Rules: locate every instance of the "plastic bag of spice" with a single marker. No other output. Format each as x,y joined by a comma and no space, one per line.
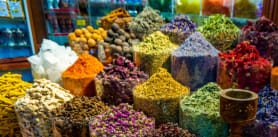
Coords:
220,31
200,114
266,123
72,118
34,110
154,52
79,78
189,59
179,29
118,80
264,35
159,97
243,68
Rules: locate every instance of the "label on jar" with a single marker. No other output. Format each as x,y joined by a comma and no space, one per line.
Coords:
81,22
16,9
4,12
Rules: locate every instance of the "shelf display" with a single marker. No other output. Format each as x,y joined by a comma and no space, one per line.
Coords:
34,109
72,118
147,22
189,59
79,78
264,35
4,13
118,80
199,112
192,7
51,61
11,88
243,68
245,9
179,29
154,52
220,31
119,16
266,122
159,97
121,120
211,7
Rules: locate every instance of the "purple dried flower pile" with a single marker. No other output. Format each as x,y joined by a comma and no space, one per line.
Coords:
170,130
119,79
179,29
120,121
264,35
266,123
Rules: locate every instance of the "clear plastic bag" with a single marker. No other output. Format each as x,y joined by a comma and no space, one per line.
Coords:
194,71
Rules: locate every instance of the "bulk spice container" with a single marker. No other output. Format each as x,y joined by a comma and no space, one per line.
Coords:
169,130
243,68
199,113
219,31
146,22
154,52
34,109
121,121
72,118
118,80
274,78
264,35
159,97
79,77
194,63
119,16
266,123
11,88
180,28
120,41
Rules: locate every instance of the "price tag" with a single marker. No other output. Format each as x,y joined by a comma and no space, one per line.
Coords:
16,9
4,12
81,22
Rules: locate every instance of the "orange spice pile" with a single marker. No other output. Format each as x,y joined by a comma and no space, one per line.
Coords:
85,66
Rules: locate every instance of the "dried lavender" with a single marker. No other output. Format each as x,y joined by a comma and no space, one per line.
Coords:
220,31
121,121
170,130
199,113
266,123
119,79
264,35
180,28
147,22
72,117
189,59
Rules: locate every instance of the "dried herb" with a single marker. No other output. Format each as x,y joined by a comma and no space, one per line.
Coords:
159,97
264,35
119,79
34,109
180,28
11,88
147,22
121,121
170,130
243,68
189,59
199,113
154,52
72,118
266,123
220,31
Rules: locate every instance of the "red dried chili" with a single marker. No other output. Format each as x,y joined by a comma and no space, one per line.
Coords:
243,68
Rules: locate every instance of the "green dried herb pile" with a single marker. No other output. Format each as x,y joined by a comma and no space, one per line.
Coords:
154,52
199,113
72,118
147,22
159,97
220,31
